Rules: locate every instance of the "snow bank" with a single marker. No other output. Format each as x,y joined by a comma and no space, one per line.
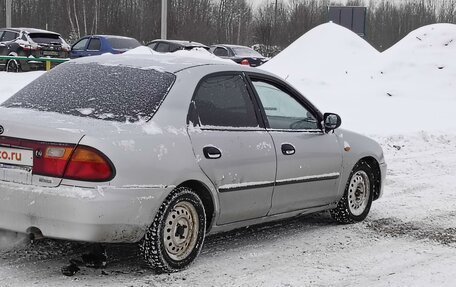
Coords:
408,88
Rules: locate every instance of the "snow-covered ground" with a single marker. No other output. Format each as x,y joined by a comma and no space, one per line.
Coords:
404,98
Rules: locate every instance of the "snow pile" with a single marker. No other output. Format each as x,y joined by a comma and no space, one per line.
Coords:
407,88
317,53
141,50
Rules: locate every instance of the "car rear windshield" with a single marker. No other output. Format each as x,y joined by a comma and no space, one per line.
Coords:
246,52
112,93
45,38
123,43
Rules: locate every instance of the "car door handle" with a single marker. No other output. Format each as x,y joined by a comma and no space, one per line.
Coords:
288,149
211,152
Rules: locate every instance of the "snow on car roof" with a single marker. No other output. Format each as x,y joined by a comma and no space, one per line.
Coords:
168,62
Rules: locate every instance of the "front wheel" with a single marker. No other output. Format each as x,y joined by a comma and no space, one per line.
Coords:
357,199
176,236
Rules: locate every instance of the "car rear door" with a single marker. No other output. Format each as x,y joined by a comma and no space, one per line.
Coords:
94,47
232,146
308,159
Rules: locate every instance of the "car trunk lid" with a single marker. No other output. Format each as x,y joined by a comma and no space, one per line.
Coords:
36,147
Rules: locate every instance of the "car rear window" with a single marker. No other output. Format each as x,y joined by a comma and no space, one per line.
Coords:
45,38
123,43
246,52
112,93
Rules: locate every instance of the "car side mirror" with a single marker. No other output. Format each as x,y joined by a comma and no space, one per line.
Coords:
331,121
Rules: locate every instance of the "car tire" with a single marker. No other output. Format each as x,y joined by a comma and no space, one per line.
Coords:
356,202
12,66
176,236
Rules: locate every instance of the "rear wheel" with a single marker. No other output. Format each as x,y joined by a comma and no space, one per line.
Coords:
357,200
12,66
176,236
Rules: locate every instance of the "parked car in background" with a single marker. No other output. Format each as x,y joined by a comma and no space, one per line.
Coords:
169,46
93,45
163,150
30,42
240,54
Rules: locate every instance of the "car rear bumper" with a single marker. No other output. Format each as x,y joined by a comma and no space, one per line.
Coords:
106,214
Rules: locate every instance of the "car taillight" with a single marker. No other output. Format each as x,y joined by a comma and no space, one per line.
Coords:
51,160
29,47
89,164
245,62
66,161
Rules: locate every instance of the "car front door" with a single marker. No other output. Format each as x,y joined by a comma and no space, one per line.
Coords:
79,48
232,146
309,160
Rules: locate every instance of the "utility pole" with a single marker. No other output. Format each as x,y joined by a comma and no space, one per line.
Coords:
164,19
275,14
8,13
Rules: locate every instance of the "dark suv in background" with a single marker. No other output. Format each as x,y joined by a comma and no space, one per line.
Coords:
29,42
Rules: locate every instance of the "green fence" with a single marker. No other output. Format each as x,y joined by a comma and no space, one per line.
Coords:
47,61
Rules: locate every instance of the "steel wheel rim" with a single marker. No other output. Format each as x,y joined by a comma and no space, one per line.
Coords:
358,193
181,231
12,66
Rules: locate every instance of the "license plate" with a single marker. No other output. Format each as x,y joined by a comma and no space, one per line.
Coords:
15,156
50,53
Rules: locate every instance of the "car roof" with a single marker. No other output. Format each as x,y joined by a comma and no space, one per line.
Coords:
30,30
180,42
110,36
230,46
166,62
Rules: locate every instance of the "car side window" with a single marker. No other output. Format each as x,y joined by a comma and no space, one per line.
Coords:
224,101
162,47
282,110
80,46
152,45
94,45
221,52
9,36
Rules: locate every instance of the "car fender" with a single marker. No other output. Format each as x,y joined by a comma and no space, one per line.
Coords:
355,147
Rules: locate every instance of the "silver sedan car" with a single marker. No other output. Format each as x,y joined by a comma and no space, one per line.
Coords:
164,150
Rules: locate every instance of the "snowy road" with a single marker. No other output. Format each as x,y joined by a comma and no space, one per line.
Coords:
409,239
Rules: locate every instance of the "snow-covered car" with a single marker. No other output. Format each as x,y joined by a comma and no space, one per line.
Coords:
164,150
170,46
240,54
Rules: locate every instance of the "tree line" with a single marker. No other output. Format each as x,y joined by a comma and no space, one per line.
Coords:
274,24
